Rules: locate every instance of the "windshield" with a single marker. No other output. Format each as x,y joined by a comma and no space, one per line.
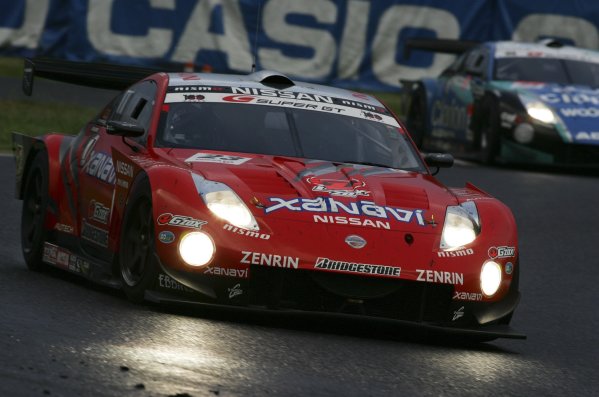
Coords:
275,130
548,70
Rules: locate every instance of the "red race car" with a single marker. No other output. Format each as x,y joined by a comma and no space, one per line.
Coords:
262,192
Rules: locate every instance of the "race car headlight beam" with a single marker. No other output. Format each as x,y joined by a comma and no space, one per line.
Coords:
461,226
225,203
490,278
541,112
196,249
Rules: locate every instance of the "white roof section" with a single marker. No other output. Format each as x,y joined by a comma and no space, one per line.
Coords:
511,49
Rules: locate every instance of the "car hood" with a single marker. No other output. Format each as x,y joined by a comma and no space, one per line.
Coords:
577,107
315,191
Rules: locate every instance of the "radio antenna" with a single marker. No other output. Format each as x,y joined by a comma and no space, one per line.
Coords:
255,54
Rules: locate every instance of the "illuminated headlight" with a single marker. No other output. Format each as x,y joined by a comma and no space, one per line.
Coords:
540,111
225,203
461,226
490,278
196,248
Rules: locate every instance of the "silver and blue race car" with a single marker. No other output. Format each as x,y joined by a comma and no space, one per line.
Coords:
508,102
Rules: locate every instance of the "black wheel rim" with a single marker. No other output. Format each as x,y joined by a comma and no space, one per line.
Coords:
33,213
137,244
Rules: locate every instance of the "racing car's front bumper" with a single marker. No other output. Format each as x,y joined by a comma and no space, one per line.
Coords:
414,303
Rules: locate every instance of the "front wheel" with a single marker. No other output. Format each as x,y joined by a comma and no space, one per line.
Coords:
489,134
137,262
33,215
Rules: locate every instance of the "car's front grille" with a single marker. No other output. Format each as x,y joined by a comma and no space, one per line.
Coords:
339,293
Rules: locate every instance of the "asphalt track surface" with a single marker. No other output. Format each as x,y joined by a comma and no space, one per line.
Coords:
62,336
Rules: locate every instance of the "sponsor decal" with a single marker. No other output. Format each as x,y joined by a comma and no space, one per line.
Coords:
289,99
216,158
245,232
282,94
338,187
98,212
372,116
61,227
582,98
167,282
455,254
435,276
587,136
449,116
227,272
235,291
355,241
180,221
194,97
330,205
509,268
122,183
62,258
78,265
501,252
344,220
467,296
125,169
99,165
194,88
166,237
579,112
458,313
87,149
94,234
258,258
360,268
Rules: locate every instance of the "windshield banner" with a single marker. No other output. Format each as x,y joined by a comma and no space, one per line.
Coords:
347,43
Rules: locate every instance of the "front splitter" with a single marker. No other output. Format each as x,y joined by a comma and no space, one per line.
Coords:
482,333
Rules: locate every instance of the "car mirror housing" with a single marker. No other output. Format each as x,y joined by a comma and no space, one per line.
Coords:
438,160
124,129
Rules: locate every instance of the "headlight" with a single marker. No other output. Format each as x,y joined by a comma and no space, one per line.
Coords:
490,278
461,226
225,203
540,111
196,248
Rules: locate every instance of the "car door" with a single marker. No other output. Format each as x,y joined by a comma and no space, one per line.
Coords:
451,113
97,174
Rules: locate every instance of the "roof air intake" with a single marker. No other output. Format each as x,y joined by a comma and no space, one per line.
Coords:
268,77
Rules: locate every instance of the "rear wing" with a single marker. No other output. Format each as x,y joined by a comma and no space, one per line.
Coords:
446,46
98,75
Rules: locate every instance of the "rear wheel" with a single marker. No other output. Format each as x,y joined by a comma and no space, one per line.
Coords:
137,262
33,215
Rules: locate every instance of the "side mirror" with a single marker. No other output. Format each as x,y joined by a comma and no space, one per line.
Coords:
438,160
124,129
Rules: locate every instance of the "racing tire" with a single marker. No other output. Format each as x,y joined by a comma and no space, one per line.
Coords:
138,269
416,118
33,214
488,134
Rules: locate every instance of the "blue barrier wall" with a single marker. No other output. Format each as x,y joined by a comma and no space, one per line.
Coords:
351,43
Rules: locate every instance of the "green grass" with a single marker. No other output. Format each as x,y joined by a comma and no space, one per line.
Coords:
391,99
35,118
11,67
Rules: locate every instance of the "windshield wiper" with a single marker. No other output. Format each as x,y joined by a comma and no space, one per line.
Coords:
364,163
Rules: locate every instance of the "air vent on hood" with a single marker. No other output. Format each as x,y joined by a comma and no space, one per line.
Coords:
405,196
265,181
